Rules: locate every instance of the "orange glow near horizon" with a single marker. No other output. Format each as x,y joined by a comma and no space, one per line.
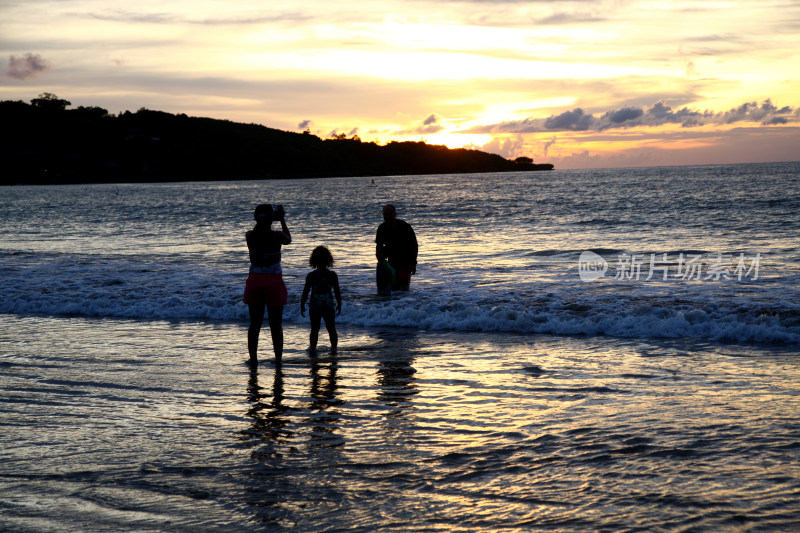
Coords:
544,80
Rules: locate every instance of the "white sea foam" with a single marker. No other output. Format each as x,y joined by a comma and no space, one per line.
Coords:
567,306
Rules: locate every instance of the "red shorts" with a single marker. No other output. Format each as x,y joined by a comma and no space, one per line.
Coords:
403,277
265,289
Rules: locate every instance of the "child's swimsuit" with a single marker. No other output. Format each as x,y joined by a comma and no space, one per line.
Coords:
322,298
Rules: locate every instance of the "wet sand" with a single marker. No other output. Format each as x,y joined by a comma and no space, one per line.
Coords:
130,425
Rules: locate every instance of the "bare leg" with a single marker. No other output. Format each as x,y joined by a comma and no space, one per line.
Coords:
256,319
275,318
330,325
316,319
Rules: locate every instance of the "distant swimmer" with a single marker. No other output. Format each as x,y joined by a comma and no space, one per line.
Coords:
265,286
326,298
396,250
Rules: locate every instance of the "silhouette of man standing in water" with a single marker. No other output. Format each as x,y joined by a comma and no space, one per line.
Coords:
396,251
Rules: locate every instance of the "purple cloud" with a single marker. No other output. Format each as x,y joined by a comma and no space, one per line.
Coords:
428,126
575,120
27,66
659,114
623,115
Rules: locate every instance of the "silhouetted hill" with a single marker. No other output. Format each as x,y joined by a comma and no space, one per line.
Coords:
44,142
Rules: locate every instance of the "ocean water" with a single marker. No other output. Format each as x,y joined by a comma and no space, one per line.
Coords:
498,252
598,350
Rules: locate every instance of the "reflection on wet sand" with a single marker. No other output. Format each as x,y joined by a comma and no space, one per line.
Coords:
323,415
396,385
269,416
294,443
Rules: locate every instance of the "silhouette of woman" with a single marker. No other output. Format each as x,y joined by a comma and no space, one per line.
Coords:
265,287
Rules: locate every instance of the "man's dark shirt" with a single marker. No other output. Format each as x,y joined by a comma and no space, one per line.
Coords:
398,243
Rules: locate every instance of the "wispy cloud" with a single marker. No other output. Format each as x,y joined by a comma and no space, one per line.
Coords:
178,18
563,18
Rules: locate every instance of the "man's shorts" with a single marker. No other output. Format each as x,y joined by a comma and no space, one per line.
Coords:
403,278
265,289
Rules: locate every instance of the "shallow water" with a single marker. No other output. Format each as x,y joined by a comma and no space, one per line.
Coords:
128,425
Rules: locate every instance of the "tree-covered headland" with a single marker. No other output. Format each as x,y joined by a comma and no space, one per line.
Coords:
45,142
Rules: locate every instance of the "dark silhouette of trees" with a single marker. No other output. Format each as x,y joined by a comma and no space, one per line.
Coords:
50,102
46,143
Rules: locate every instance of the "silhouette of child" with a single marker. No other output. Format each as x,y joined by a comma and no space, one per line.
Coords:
323,284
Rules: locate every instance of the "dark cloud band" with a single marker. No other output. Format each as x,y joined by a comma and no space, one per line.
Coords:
658,115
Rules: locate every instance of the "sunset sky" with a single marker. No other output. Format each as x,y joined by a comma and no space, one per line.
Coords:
579,84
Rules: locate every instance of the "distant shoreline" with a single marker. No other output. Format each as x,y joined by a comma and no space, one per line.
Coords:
45,143
5,182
